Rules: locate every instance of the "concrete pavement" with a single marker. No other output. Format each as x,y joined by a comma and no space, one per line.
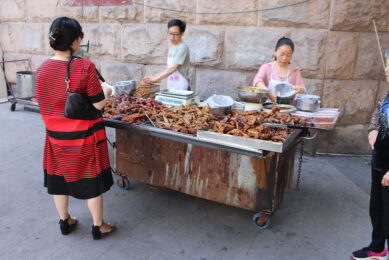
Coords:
326,219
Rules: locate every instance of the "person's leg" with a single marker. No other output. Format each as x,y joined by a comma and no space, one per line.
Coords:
95,206
61,203
385,216
376,247
377,212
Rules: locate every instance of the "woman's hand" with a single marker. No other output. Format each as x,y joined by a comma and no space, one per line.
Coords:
260,84
148,79
385,179
272,97
107,89
372,138
299,89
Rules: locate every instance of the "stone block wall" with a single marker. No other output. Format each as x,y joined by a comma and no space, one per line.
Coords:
335,47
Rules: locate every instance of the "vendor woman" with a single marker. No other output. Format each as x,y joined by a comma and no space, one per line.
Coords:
280,70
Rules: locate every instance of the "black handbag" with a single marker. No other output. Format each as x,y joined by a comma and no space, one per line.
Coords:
78,105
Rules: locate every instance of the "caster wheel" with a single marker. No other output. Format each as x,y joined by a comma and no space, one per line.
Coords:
123,183
13,106
261,218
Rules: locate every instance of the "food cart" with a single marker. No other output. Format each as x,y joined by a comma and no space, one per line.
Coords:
245,170
249,176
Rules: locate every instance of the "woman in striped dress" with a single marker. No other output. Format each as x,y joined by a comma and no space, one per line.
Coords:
76,161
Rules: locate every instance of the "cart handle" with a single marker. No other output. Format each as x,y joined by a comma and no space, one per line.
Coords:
309,137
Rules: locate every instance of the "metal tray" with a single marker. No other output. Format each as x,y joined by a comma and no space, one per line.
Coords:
181,93
181,137
175,96
121,124
242,142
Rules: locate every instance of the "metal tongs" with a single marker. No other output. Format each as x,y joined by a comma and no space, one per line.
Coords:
275,125
283,125
151,121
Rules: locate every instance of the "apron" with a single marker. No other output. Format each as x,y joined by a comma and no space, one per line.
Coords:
176,80
272,82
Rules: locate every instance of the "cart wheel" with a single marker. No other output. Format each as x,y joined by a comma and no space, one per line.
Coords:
123,183
261,221
13,106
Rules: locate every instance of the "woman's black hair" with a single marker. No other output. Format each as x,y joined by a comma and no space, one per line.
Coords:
63,32
176,22
285,41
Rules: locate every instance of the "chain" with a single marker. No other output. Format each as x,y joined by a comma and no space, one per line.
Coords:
300,165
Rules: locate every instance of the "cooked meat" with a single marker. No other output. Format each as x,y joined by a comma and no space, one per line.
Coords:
130,109
250,124
184,119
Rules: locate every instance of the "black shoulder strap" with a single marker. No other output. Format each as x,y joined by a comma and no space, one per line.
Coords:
67,80
99,75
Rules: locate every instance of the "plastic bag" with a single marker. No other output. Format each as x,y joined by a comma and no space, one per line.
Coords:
124,87
106,86
215,101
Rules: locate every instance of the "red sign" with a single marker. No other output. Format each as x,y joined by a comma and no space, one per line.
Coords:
100,2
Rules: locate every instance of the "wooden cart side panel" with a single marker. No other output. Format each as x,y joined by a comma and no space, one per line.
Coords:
265,180
211,174
283,174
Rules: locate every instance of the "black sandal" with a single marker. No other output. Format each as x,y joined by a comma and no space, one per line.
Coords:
65,227
96,232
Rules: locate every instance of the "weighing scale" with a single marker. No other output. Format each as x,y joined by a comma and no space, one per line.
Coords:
172,97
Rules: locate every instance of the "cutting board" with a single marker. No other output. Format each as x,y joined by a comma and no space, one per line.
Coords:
3,84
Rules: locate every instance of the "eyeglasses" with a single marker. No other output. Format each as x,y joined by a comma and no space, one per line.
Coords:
173,34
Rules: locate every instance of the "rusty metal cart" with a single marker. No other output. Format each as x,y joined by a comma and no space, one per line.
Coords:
239,175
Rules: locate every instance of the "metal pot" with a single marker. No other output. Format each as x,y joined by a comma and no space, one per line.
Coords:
25,84
284,93
251,94
309,103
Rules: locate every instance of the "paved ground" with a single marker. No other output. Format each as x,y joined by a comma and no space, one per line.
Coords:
326,219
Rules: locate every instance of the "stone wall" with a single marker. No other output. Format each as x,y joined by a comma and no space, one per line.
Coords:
336,47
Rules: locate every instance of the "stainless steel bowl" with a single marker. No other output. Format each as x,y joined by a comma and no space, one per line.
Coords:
253,95
309,103
221,111
220,105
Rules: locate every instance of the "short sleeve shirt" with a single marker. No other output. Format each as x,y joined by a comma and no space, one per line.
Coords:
180,55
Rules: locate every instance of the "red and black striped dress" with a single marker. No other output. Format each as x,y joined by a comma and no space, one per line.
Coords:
76,158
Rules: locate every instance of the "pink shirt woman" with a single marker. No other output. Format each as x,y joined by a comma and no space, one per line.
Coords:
268,71
280,70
